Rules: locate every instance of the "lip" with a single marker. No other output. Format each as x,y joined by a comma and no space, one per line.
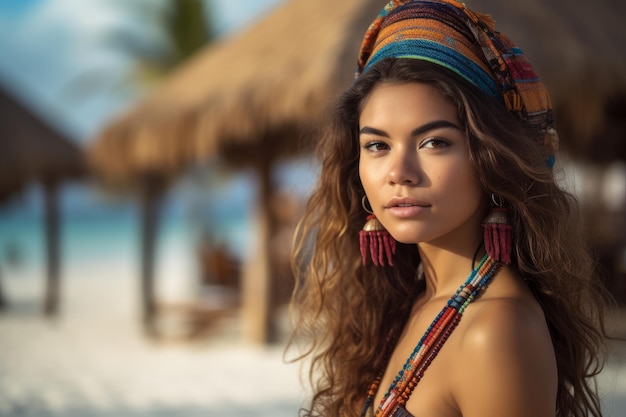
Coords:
406,207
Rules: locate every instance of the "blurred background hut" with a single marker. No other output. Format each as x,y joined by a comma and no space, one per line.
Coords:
252,99
32,151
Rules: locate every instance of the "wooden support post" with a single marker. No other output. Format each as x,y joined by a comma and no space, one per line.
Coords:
151,194
257,269
53,249
3,300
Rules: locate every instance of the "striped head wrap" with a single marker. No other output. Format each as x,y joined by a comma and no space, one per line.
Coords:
447,33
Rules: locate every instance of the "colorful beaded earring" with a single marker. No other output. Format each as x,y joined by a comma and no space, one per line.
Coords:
376,240
498,231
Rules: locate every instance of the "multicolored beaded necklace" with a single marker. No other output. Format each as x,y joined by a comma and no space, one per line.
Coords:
431,342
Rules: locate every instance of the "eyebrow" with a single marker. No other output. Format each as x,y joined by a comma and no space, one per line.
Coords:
438,124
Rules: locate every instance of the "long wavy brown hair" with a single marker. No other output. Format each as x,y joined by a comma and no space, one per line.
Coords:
350,316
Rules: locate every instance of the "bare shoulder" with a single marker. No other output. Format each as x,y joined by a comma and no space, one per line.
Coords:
509,367
509,323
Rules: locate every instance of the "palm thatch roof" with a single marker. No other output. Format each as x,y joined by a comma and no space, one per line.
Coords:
576,47
249,96
31,149
246,97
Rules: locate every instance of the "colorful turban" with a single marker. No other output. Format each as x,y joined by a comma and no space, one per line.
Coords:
447,33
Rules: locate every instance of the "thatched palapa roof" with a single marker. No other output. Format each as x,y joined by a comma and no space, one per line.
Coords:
246,96
32,150
249,96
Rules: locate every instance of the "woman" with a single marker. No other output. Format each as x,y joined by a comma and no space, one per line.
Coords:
444,147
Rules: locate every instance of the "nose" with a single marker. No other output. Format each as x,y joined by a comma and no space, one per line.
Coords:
404,168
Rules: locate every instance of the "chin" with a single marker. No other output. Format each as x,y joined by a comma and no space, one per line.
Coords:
414,235
407,238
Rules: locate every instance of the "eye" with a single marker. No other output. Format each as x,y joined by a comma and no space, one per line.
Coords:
435,143
375,146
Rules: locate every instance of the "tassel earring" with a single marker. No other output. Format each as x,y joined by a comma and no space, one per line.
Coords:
498,231
373,238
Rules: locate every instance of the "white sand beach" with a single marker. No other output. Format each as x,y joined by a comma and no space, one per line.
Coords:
94,362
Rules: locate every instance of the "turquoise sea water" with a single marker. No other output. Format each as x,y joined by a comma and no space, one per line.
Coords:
101,233
100,230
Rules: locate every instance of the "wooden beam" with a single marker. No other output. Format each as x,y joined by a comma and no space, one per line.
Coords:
53,249
258,269
151,198
3,299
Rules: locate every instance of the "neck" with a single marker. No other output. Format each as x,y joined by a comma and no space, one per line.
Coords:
447,260
445,269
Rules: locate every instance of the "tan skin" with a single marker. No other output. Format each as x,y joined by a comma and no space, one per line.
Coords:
415,168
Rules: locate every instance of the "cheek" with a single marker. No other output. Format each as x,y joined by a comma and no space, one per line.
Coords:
460,185
362,176
365,175
471,192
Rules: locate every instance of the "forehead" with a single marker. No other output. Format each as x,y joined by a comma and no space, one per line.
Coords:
421,102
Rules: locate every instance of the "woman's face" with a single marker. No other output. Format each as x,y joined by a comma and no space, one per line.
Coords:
415,168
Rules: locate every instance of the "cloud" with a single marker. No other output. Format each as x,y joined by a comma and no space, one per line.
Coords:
68,58
60,44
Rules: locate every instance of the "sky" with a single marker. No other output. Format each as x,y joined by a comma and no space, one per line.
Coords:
58,57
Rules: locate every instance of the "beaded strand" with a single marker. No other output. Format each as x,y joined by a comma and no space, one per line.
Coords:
431,342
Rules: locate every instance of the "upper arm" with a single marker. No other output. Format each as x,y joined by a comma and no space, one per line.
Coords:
509,368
